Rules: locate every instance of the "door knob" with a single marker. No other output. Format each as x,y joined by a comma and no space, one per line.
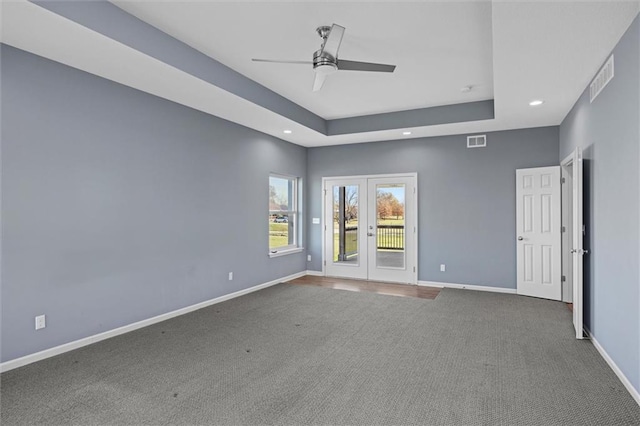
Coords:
370,234
520,238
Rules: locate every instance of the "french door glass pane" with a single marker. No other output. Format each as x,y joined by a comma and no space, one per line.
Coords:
390,226
345,224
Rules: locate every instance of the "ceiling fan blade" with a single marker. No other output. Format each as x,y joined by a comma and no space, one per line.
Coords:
318,81
334,39
364,66
274,61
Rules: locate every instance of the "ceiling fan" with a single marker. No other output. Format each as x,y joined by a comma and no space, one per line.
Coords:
325,61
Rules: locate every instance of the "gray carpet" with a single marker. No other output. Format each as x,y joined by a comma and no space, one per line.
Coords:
307,355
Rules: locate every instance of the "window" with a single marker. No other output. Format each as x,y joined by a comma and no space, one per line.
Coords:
283,214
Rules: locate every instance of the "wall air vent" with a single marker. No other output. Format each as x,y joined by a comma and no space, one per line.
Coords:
477,141
604,76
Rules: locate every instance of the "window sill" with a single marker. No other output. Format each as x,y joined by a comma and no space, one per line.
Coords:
285,252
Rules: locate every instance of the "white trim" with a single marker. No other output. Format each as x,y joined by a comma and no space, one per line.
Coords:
390,175
294,214
315,273
416,233
323,226
284,252
468,287
57,350
568,160
575,222
627,384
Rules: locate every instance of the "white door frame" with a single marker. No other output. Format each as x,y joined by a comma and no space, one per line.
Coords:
566,172
412,260
575,251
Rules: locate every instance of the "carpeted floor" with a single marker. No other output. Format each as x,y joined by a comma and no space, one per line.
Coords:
306,355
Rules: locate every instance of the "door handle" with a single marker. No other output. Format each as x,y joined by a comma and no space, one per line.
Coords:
581,251
370,234
520,238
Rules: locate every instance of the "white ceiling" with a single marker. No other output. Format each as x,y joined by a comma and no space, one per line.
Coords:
512,51
438,48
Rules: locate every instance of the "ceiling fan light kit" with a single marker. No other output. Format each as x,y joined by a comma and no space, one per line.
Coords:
325,60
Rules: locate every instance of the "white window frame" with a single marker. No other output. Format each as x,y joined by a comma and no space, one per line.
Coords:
293,216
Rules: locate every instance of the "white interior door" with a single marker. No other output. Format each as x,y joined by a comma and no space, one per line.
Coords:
538,226
370,228
578,249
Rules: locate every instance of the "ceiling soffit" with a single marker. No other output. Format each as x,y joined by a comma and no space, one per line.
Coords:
113,22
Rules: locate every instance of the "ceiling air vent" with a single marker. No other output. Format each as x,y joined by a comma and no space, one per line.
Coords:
477,141
604,76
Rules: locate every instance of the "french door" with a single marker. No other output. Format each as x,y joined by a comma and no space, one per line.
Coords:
370,228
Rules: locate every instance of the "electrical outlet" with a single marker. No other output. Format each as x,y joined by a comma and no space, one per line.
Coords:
41,322
308,258
230,276
442,267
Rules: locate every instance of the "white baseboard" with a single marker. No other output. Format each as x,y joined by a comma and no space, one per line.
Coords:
627,384
315,273
468,287
57,350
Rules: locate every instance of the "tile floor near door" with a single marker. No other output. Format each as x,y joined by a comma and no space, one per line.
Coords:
384,259
401,290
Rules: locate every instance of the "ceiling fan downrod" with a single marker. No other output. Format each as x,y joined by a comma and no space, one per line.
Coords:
323,62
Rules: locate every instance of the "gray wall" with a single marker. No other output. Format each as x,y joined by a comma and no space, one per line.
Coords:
456,113
609,132
466,197
118,206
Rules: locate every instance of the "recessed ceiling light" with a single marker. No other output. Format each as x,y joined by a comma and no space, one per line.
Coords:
287,132
536,102
406,133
